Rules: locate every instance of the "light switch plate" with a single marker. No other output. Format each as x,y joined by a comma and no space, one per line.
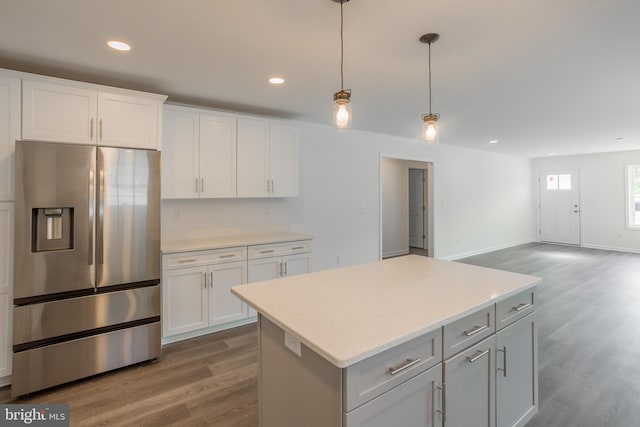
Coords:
292,343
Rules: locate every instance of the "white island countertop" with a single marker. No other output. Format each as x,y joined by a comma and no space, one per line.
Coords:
349,314
218,242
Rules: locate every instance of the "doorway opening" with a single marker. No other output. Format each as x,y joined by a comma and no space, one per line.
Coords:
406,211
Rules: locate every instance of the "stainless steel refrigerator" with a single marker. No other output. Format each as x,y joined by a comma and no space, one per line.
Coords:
87,262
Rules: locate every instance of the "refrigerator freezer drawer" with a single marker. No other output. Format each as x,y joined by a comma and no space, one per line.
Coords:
43,321
48,366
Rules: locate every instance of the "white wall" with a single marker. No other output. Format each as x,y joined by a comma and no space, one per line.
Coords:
395,207
482,201
602,196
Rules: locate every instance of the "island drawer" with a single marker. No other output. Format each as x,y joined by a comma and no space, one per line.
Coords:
467,331
372,377
198,258
279,249
515,308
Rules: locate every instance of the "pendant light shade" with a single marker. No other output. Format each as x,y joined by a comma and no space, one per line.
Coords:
342,99
430,132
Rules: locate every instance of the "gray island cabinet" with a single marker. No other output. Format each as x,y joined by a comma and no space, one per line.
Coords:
408,341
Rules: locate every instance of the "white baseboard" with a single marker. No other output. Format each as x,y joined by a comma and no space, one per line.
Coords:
485,250
395,253
5,381
205,331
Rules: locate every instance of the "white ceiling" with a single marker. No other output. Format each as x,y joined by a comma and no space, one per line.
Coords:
540,76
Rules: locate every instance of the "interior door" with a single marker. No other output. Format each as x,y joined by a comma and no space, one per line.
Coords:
416,208
560,207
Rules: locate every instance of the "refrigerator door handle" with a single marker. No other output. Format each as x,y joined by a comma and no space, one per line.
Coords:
100,222
91,214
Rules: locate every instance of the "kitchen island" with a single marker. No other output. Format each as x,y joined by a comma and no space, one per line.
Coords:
375,344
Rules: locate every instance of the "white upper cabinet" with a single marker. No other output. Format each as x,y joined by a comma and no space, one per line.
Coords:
9,132
199,154
62,111
267,159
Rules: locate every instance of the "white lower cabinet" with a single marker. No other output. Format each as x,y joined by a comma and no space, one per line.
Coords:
469,379
415,403
517,372
196,290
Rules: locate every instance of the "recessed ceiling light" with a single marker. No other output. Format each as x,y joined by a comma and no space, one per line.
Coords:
276,80
118,45
551,154
493,141
620,138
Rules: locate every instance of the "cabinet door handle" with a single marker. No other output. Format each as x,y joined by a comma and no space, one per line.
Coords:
297,248
182,261
522,307
196,185
100,129
478,355
268,186
280,269
433,405
409,363
273,186
227,256
285,268
504,361
91,131
267,251
202,185
211,281
204,279
475,330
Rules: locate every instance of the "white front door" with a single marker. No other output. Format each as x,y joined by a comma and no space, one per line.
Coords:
416,208
560,207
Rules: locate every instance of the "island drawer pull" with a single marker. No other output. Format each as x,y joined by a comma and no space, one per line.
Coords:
407,365
227,256
478,355
182,261
297,248
475,330
522,307
504,361
267,251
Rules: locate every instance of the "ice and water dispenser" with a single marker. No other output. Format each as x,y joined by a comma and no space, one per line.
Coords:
52,229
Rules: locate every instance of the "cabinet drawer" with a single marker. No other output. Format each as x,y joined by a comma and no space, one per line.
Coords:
467,331
279,249
514,308
191,259
373,376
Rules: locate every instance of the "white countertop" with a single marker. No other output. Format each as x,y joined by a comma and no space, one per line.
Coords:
174,246
349,314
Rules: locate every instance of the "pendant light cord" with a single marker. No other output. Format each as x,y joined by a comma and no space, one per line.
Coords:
341,46
429,61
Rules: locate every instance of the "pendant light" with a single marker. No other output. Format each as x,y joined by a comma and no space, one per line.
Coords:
342,99
430,121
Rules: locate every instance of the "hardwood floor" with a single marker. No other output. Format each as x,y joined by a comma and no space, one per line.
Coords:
589,355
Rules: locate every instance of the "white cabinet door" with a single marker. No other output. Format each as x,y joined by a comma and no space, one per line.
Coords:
6,288
517,373
414,403
185,300
225,307
253,158
217,156
264,269
180,154
470,386
9,132
283,165
127,121
58,113
296,264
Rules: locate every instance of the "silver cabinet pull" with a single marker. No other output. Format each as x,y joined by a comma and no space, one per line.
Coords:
211,281
442,411
409,363
522,307
267,251
202,185
204,279
268,185
196,185
91,131
273,186
280,269
285,268
100,129
504,361
181,261
475,330
297,248
478,355
227,256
